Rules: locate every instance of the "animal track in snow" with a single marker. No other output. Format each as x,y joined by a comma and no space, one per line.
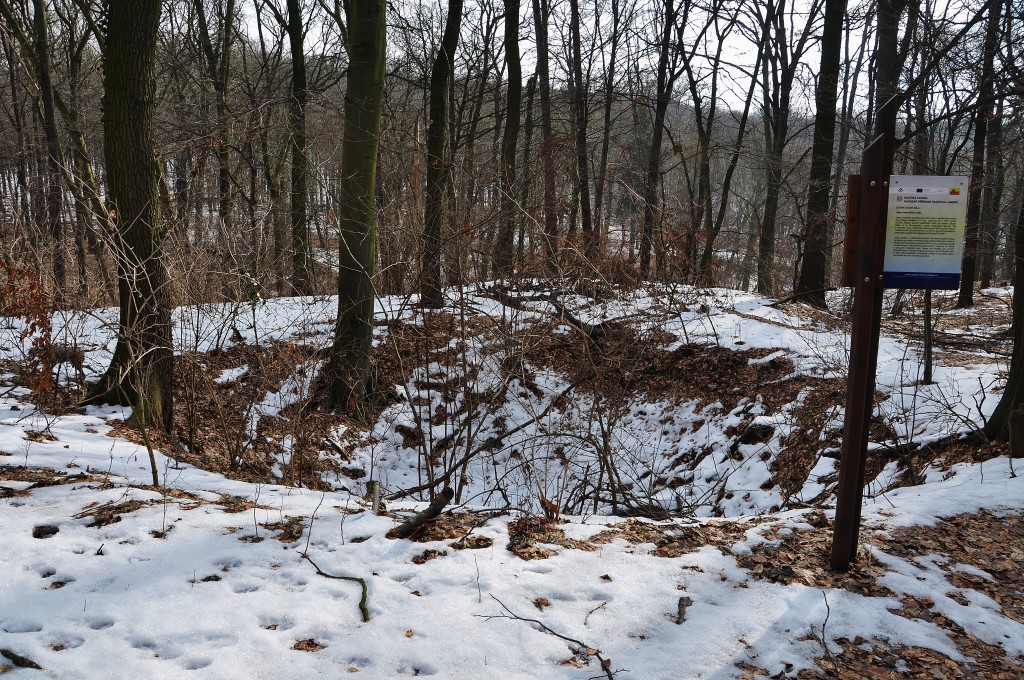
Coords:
195,663
250,587
100,622
9,626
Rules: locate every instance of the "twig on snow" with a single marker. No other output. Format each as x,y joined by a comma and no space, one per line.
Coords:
362,582
583,648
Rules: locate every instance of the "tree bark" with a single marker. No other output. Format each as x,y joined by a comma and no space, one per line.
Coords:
141,372
810,285
998,425
503,250
218,65
652,181
981,117
609,96
301,270
348,370
578,94
437,169
541,13
53,181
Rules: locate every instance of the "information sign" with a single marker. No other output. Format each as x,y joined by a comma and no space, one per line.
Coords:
924,235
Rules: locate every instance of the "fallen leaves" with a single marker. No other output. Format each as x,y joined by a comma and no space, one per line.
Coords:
525,533
307,645
428,555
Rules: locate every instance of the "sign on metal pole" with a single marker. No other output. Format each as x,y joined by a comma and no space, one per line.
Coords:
924,239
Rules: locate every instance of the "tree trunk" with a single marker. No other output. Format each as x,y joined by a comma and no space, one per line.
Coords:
141,372
600,229
526,180
348,370
704,273
652,181
981,118
541,13
997,426
218,64
578,94
503,247
810,285
301,270
438,175
991,205
53,180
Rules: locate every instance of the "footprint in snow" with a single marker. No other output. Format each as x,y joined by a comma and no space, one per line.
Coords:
195,663
245,588
10,626
100,622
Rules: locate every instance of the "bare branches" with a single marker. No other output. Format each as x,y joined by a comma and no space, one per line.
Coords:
582,648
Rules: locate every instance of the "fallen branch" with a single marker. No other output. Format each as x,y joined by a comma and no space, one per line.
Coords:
362,582
582,647
592,331
413,524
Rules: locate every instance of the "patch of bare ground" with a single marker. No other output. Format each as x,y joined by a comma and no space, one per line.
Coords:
977,552
800,451
527,534
622,362
455,525
977,335
39,477
215,412
673,540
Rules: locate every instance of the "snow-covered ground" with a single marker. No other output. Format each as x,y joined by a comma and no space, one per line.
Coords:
188,580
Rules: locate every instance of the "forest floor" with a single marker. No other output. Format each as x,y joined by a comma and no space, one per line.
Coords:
644,488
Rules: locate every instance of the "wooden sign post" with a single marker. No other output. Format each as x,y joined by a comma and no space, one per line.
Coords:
876,168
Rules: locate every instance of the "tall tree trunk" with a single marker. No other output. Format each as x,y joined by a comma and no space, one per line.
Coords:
810,285
526,180
652,181
438,174
348,370
141,372
997,426
541,14
704,273
503,247
301,265
218,65
609,97
981,118
777,129
991,204
578,94
53,179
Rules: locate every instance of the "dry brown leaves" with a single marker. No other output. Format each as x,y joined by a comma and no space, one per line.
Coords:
40,477
801,555
289,530
673,540
459,525
526,533
307,645
985,541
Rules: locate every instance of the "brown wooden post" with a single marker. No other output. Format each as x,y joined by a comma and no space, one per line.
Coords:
876,167
851,244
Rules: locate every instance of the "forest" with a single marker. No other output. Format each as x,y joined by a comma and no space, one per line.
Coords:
491,306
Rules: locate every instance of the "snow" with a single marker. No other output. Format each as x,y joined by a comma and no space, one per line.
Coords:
180,587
